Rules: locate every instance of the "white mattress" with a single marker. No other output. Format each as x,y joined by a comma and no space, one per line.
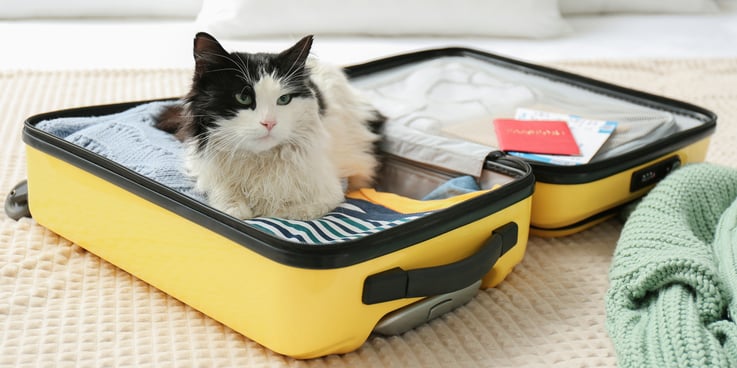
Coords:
94,44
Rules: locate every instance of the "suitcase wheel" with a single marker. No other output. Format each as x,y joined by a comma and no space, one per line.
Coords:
16,204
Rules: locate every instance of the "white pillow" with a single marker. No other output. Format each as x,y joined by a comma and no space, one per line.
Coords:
96,8
568,7
503,18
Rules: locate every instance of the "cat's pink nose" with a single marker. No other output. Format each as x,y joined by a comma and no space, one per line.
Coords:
268,124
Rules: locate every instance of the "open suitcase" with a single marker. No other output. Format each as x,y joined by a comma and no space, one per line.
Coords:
312,298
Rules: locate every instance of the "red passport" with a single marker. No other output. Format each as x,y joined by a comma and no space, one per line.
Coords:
551,137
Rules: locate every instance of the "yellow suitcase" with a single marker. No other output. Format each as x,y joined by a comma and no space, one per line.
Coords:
312,299
303,299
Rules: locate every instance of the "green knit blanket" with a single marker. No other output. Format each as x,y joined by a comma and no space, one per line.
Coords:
673,281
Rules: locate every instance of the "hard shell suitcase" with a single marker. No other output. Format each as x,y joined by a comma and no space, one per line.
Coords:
303,299
308,300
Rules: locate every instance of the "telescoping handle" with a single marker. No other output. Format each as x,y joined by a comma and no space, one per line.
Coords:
397,283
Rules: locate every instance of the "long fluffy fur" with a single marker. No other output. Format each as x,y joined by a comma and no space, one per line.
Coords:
321,137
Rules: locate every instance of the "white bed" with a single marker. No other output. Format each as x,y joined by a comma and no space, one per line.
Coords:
60,305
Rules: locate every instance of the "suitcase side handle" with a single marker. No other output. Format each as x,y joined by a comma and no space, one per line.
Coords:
397,283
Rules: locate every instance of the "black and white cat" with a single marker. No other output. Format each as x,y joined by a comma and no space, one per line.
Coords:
273,134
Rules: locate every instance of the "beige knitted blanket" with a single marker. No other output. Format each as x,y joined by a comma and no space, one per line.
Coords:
62,306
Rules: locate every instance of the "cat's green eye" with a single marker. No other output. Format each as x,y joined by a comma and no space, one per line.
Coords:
284,99
244,98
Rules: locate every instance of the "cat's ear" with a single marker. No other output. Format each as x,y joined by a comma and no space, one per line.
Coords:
297,54
206,50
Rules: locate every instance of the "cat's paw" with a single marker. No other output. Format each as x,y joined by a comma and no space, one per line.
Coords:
238,210
305,213
310,211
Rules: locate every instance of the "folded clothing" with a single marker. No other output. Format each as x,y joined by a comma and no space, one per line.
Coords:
353,219
673,279
408,205
130,139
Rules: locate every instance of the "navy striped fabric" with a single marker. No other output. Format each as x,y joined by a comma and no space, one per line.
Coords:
353,219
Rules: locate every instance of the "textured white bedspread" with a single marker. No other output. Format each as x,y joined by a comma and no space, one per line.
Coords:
63,306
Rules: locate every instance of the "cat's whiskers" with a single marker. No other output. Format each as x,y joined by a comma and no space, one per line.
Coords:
241,67
296,64
244,66
223,151
225,143
238,73
293,75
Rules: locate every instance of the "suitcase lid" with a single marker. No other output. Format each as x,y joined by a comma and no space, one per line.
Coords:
395,81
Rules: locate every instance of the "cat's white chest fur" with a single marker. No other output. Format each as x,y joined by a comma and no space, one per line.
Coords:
289,182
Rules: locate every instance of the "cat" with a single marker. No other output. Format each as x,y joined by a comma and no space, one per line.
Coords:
273,134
